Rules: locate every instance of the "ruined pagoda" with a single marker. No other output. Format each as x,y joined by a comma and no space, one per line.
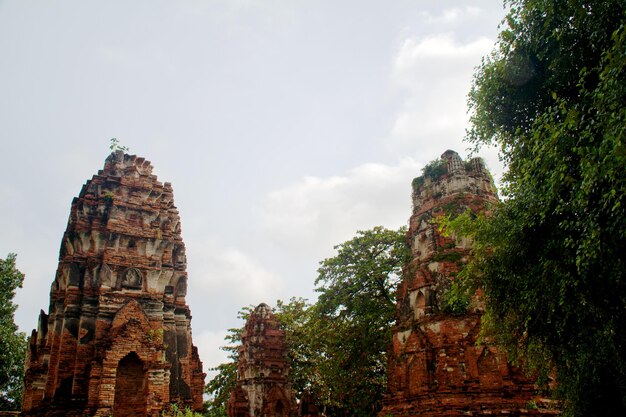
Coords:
263,388
117,336
436,368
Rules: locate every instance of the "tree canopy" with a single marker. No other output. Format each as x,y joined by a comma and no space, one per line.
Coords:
221,385
355,312
12,342
552,258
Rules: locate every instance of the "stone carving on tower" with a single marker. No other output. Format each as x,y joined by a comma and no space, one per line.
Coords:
117,336
263,388
435,366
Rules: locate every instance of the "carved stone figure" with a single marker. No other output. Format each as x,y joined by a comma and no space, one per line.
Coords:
132,279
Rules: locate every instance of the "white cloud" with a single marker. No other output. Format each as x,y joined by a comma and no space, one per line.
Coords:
452,15
211,355
443,46
219,269
222,279
313,214
434,73
294,228
422,61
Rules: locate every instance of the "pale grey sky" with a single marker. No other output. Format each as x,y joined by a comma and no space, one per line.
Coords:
284,127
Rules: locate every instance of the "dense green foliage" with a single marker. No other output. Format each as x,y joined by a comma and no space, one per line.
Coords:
337,346
434,169
355,312
219,388
175,411
221,385
296,320
457,299
552,258
12,342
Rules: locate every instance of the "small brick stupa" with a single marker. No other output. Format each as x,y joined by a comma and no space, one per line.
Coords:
117,337
436,368
263,388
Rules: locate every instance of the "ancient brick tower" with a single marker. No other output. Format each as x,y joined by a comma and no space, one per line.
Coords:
117,338
435,366
263,388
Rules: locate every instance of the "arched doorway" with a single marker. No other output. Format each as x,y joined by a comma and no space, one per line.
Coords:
130,387
420,303
278,409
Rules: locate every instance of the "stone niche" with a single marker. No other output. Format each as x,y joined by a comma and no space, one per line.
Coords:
117,336
263,388
435,366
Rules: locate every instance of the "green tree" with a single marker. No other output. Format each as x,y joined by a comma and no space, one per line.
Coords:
174,411
219,388
552,258
12,342
221,385
296,320
353,317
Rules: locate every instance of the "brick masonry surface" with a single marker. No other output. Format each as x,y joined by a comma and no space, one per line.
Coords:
117,336
262,370
436,367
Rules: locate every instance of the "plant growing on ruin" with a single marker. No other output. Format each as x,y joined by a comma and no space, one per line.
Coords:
433,170
175,411
115,145
456,299
108,197
155,335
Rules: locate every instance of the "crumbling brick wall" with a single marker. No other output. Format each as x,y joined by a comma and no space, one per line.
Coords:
436,367
119,293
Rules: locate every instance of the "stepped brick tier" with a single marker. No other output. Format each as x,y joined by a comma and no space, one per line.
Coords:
436,368
263,387
117,338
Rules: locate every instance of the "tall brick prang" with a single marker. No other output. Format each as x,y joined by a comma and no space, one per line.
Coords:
263,387
117,336
436,368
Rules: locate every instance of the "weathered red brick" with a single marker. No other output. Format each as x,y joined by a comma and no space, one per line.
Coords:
117,338
436,368
263,387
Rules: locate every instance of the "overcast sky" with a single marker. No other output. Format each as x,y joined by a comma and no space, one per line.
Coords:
284,127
